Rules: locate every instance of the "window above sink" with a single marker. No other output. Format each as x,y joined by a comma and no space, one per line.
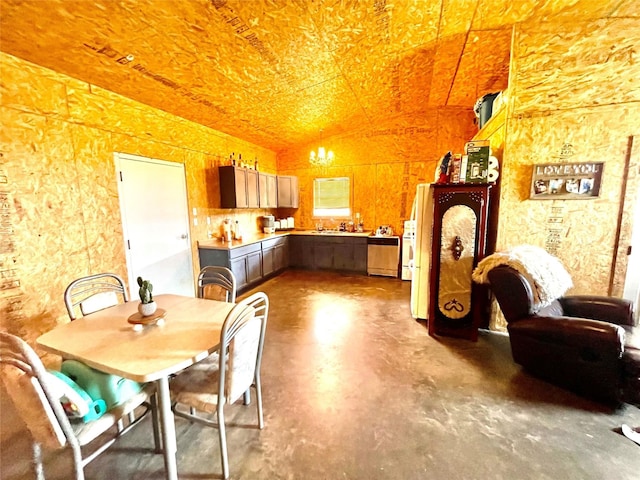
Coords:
332,197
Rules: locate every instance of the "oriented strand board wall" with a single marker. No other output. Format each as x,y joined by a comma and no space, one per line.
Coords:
60,207
385,164
573,88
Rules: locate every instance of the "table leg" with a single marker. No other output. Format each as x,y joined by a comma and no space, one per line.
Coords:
168,429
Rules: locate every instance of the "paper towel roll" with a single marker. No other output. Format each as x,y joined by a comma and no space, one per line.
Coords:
492,174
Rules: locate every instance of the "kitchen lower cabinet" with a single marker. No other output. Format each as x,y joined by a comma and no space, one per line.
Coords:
281,254
250,263
329,252
301,251
275,255
245,262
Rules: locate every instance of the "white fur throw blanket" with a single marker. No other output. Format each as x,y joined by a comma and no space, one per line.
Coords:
544,272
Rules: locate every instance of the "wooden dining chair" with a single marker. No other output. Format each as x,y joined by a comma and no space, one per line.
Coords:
217,283
207,390
89,294
29,387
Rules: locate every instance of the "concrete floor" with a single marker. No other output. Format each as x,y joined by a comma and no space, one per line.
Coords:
354,388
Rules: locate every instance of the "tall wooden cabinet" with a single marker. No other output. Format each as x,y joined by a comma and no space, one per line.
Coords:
460,230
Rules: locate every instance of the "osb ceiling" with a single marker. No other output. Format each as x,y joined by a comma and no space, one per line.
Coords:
278,72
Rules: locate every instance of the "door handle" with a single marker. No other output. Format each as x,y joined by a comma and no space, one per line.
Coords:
183,236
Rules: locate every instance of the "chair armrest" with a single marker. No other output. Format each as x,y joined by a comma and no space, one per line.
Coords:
606,309
579,333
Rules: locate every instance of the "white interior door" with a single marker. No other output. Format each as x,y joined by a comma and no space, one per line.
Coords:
632,281
155,217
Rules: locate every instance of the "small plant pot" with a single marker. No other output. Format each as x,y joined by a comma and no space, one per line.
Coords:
147,309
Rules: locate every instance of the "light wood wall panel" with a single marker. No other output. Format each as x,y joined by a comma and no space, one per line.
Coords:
386,164
58,174
572,86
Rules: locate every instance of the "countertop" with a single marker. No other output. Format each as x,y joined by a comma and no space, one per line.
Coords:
218,244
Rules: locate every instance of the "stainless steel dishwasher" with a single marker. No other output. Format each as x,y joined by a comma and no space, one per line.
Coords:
383,255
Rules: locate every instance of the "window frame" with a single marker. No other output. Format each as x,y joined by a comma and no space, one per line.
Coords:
344,214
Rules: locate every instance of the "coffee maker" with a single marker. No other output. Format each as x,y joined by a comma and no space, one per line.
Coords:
268,224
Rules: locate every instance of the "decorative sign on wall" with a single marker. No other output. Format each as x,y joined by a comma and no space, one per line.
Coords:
566,181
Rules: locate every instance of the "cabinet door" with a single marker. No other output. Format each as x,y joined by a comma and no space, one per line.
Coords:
239,269
301,251
252,188
272,191
323,255
281,256
284,191
295,194
233,187
343,256
287,191
254,267
263,191
268,261
360,255
267,190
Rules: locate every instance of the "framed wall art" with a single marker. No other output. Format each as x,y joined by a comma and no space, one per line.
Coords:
566,181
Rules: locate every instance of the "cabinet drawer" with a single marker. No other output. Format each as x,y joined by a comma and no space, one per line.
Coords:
272,242
245,250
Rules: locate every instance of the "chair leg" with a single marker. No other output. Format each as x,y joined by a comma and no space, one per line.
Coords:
78,462
259,401
247,396
223,442
38,469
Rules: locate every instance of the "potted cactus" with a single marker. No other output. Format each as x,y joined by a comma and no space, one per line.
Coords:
147,306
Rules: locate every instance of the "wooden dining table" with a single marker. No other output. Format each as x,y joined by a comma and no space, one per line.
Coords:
105,340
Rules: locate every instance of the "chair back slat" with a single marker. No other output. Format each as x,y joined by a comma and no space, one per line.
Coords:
217,283
92,293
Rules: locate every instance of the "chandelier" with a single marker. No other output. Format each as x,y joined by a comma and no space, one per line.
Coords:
322,157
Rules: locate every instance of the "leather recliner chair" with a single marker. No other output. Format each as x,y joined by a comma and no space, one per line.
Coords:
587,344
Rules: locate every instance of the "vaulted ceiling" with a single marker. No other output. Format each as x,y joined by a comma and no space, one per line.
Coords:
278,72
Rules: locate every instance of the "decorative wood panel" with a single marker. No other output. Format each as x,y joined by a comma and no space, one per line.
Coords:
64,215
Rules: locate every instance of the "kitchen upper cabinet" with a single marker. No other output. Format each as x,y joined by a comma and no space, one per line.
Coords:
253,198
288,191
267,190
238,187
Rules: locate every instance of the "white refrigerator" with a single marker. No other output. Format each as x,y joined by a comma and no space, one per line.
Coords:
422,214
